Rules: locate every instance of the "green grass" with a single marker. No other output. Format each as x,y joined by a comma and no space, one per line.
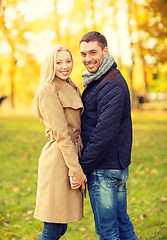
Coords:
21,140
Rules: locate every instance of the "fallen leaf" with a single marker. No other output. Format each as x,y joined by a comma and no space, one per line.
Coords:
146,169
8,233
28,189
5,202
33,140
16,189
159,209
19,137
7,223
144,186
84,235
161,223
142,216
133,199
32,150
25,157
25,180
83,229
147,202
164,199
154,171
11,150
156,157
30,212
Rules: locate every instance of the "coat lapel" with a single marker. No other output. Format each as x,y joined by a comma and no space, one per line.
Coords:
68,95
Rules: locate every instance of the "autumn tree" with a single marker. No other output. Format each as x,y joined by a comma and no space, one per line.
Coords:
14,29
147,27
8,34
30,32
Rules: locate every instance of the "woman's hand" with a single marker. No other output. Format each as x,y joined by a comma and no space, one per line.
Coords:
74,184
77,184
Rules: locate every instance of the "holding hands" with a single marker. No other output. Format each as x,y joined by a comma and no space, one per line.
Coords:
77,184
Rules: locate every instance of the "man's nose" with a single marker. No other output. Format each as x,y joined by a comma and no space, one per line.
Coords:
88,58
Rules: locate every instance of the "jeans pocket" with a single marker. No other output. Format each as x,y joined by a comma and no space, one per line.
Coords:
112,181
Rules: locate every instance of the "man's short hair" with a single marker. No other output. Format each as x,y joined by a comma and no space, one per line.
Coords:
94,37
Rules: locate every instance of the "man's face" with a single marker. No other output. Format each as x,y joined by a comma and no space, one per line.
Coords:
92,55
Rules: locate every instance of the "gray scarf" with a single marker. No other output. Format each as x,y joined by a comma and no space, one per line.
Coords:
104,67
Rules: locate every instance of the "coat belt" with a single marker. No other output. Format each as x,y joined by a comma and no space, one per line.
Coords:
76,139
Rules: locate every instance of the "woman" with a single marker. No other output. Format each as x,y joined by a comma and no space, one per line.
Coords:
58,104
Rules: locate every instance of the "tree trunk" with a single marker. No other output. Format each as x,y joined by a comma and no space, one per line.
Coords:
13,60
93,15
131,8
145,75
57,23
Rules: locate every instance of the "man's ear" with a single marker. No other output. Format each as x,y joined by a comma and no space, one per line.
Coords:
105,51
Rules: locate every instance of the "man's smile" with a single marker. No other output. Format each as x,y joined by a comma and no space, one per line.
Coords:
90,65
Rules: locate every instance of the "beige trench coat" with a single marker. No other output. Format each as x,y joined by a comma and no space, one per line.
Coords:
60,106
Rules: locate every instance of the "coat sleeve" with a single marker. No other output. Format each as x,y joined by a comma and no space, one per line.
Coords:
110,103
53,114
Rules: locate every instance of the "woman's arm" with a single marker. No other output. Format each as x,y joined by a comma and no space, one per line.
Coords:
53,114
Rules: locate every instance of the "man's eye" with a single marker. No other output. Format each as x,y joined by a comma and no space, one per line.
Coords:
93,53
69,61
58,62
83,54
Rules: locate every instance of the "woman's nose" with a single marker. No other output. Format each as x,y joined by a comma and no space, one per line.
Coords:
64,65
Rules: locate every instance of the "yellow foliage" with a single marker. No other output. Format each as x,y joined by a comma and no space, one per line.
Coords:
149,75
30,32
138,75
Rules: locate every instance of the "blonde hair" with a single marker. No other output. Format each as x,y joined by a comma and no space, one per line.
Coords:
47,73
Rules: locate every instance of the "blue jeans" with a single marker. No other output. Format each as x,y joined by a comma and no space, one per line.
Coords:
107,191
53,231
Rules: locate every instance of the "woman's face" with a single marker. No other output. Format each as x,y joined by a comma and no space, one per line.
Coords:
64,64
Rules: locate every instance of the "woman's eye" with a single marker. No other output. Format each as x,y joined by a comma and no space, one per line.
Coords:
58,62
69,61
93,53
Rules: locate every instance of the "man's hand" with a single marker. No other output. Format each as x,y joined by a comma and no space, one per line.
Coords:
82,187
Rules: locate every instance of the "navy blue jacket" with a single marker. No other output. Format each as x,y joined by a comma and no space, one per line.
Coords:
106,123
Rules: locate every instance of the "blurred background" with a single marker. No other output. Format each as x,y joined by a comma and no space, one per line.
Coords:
136,31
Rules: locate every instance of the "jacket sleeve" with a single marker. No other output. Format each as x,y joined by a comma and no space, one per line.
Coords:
110,103
54,117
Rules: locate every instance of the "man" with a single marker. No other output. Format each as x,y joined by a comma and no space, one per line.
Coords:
107,138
